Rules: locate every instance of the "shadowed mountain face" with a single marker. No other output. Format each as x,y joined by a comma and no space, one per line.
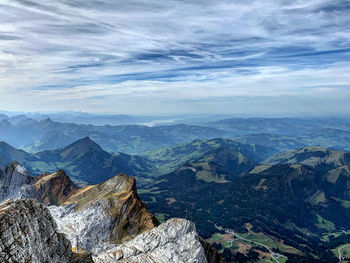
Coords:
296,196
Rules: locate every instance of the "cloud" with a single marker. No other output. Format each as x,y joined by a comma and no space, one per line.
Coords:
92,55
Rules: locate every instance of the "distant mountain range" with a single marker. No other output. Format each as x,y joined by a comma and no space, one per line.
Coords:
282,134
33,135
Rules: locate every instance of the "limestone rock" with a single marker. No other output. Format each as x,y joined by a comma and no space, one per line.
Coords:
108,212
50,189
28,233
12,179
173,241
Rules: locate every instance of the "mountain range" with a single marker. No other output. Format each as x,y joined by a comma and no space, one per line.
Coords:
84,160
299,199
251,196
35,135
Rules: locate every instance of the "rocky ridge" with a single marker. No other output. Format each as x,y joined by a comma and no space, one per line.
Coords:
107,212
98,219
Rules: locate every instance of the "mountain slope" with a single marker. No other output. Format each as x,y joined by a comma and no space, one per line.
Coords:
171,158
297,202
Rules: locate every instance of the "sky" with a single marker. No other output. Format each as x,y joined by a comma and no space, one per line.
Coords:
173,56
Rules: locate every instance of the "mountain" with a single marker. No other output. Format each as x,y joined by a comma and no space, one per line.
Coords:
84,160
9,153
107,221
54,189
299,200
50,189
115,212
170,158
219,166
46,134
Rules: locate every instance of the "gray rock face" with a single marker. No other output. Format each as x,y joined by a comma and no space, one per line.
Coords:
28,234
14,182
173,241
87,228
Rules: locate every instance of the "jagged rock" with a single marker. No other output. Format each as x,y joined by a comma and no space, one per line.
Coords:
54,189
50,189
94,219
108,212
12,179
28,233
173,241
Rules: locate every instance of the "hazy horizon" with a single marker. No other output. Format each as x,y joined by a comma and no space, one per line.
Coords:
176,57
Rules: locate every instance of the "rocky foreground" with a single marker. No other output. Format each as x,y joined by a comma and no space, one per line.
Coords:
100,223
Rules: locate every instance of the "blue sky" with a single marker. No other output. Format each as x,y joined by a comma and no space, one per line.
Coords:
172,56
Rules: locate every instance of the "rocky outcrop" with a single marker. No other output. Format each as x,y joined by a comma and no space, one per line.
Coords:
173,241
50,189
13,181
108,220
108,212
28,233
54,189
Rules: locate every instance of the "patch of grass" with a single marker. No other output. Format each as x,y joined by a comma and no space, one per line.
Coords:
263,239
324,224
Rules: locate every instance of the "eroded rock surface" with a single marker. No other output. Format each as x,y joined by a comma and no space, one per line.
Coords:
108,212
173,241
108,220
28,233
50,189
13,180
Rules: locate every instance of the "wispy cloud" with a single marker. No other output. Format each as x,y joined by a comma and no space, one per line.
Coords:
98,54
